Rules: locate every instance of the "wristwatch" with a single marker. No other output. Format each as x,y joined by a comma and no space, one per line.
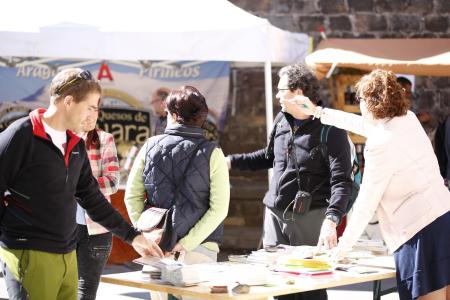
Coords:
333,218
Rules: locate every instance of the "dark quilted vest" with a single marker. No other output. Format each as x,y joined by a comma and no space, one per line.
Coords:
168,167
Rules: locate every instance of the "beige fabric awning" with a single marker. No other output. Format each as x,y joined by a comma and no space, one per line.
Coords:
427,57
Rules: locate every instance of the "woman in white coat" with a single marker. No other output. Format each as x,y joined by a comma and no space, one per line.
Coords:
401,183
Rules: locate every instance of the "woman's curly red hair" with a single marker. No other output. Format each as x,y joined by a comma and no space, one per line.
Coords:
384,96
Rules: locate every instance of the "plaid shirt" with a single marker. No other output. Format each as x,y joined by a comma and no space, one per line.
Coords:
105,167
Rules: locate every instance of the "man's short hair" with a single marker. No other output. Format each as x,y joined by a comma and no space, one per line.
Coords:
75,82
301,77
161,94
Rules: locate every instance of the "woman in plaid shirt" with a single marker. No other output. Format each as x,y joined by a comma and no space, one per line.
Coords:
94,241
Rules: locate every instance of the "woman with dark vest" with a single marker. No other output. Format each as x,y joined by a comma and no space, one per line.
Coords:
182,171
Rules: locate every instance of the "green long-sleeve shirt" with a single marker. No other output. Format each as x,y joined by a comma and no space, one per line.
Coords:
219,199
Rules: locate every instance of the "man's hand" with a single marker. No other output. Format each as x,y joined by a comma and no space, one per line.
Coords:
328,236
146,247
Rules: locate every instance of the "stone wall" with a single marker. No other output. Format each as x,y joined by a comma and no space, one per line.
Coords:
245,126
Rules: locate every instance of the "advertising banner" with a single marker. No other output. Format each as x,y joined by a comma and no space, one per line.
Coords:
127,89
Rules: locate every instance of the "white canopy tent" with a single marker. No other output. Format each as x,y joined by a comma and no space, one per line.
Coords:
207,30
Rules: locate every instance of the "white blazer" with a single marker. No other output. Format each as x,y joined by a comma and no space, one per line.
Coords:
401,180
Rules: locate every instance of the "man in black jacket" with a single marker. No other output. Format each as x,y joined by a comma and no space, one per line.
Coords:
311,181
44,170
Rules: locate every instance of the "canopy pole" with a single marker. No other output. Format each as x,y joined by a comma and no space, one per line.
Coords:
269,104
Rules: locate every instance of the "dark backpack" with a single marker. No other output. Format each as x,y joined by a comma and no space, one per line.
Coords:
356,175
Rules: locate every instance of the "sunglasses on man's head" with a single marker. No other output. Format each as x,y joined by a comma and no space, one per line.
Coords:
85,75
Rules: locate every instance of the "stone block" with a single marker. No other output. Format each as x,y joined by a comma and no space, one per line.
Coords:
421,81
341,23
332,6
436,23
444,103
370,22
419,6
405,22
309,24
304,7
389,6
440,82
442,6
360,5
424,100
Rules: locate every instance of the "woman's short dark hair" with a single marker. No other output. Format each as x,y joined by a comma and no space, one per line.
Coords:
74,82
384,96
301,77
189,105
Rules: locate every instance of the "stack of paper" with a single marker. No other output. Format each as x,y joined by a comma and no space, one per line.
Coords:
155,273
217,273
269,257
156,261
225,273
155,265
378,261
301,266
185,275
264,258
304,251
376,246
